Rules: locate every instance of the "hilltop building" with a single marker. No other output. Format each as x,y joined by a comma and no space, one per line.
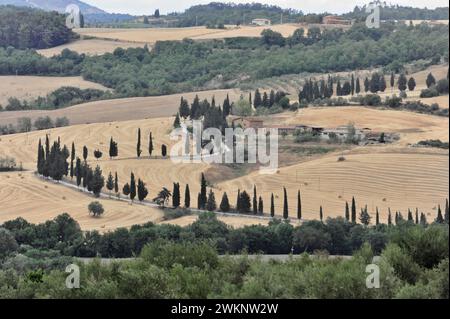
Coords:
262,22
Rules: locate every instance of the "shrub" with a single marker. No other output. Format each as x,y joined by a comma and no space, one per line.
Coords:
96,209
431,92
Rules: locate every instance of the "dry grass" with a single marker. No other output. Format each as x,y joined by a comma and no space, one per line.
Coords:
412,127
121,109
236,222
391,176
38,201
395,180
31,87
90,47
197,33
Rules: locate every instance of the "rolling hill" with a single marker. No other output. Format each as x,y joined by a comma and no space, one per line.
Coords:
53,5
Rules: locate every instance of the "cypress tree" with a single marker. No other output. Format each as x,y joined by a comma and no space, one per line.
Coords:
285,205
299,205
366,85
430,80
257,101
402,82
353,210
110,183
85,153
347,212
97,182
142,190
150,144
411,84
116,184
132,187
392,80
211,205
78,172
176,200
244,203
390,218
365,217
272,206
227,106
126,189
410,216
187,197
225,204
377,217
439,218
260,206
163,150
203,196
113,148
255,201
417,216
72,159
423,220
321,213
177,121
446,217
184,108
238,201
352,84
40,158
138,145
358,86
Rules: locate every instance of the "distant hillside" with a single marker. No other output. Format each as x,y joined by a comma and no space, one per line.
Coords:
228,13
54,5
396,12
28,28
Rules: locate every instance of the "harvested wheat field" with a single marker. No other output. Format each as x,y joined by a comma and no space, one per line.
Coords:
121,109
442,101
31,87
236,222
395,180
412,127
90,47
24,195
174,34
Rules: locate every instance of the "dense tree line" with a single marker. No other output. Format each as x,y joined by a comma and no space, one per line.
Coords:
25,28
143,72
230,13
60,98
398,12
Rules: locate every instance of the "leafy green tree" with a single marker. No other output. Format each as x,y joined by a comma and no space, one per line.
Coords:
411,84
402,82
430,81
8,243
98,154
96,209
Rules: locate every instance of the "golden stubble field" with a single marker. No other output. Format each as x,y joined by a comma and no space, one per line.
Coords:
172,34
392,176
90,47
31,87
121,109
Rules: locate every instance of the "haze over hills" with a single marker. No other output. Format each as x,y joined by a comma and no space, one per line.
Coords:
56,5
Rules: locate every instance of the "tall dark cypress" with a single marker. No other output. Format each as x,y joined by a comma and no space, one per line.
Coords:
272,206
78,171
138,145
439,218
150,144
203,194
116,184
255,201
446,215
72,159
187,197
176,195
285,205
299,205
377,217
132,187
347,212
321,213
353,210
